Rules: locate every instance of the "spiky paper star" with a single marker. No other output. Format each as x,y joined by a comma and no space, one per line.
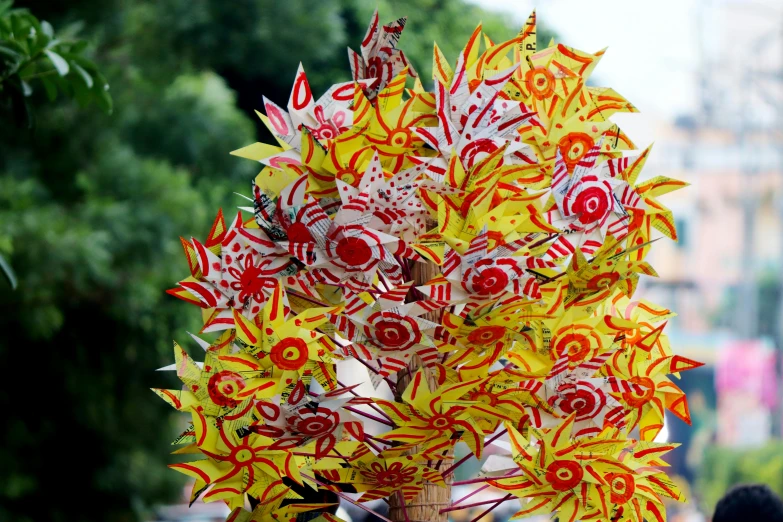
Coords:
510,181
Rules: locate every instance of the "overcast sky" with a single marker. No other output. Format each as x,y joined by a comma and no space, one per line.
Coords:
658,50
652,57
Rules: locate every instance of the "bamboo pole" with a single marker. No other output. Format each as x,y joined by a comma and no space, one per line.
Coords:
432,499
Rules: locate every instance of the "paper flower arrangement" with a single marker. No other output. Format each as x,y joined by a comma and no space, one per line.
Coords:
510,184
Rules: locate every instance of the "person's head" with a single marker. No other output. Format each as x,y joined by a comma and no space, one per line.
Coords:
750,502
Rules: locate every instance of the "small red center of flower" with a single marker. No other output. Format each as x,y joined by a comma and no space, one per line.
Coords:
242,455
636,399
289,354
353,251
483,397
399,138
573,147
439,422
623,487
312,426
223,386
250,281
485,335
592,204
604,280
490,281
394,476
391,334
298,233
580,401
564,475
540,82
575,345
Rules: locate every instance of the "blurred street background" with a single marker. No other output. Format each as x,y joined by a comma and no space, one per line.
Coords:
92,205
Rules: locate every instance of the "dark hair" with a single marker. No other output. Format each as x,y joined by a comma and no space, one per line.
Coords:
749,502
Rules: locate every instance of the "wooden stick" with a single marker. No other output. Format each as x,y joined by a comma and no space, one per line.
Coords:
373,406
476,504
301,454
382,441
425,506
490,508
482,488
305,298
461,461
401,498
483,479
372,444
369,416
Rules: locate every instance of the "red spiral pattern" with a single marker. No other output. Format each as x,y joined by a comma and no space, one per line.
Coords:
583,398
393,332
590,200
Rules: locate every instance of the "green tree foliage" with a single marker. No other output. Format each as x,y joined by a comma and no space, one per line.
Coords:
91,207
726,467
33,58
315,33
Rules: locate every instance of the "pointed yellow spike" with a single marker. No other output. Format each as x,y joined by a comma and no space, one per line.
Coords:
470,52
391,95
257,151
362,108
441,70
418,87
632,172
247,331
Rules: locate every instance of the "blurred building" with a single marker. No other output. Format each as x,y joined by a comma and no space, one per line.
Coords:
701,272
723,276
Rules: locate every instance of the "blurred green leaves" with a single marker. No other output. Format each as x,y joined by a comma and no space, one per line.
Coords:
8,272
91,208
33,58
725,467
194,125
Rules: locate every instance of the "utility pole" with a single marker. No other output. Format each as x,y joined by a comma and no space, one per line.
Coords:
759,78
747,309
745,320
752,74
760,81
777,420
